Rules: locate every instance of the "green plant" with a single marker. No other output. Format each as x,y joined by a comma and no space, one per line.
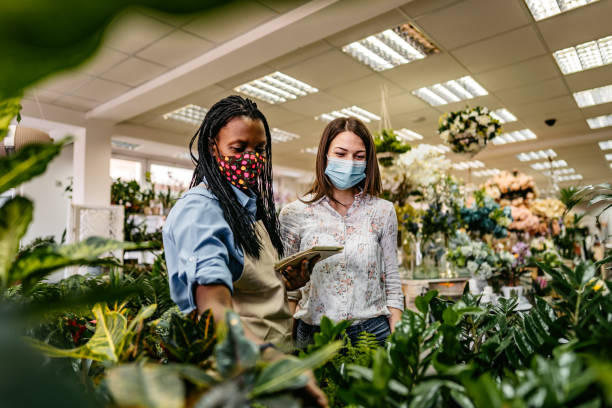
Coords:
387,141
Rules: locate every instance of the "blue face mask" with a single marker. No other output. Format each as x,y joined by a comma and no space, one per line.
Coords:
345,174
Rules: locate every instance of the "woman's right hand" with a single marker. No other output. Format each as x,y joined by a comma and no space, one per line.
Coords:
296,277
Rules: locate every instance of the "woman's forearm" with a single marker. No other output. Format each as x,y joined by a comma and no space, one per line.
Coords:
218,299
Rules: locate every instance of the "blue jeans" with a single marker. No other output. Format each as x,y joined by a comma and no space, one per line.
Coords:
378,326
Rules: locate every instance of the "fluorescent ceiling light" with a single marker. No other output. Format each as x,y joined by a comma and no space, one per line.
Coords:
451,91
503,115
391,48
280,136
513,137
609,157
310,150
486,173
354,111
595,96
559,172
541,9
464,165
548,165
276,88
119,144
442,148
605,145
536,155
408,135
193,114
570,177
585,56
600,121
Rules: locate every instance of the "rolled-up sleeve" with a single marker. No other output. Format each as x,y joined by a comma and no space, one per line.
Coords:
197,241
388,243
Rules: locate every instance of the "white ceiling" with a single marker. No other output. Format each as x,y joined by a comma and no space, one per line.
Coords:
149,63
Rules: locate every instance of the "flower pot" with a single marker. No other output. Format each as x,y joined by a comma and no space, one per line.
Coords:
510,291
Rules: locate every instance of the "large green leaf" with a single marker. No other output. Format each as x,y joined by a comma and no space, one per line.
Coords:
40,37
288,373
15,217
34,265
146,386
9,108
234,352
104,345
28,162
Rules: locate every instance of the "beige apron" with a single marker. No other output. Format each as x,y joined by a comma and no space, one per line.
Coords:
260,297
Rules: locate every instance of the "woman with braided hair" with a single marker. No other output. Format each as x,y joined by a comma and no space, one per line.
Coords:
222,236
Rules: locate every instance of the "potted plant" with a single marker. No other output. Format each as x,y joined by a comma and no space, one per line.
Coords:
388,146
510,273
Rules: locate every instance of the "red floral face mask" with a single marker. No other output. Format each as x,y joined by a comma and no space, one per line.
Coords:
242,170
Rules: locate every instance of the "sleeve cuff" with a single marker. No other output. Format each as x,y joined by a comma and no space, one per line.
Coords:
396,303
294,295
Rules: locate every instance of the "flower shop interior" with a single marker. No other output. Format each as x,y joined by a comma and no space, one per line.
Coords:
492,121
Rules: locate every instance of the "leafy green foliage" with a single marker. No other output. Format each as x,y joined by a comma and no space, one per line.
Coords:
387,141
15,216
9,108
39,38
190,339
28,162
110,340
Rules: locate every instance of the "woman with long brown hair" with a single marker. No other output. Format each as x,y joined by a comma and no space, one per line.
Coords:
342,208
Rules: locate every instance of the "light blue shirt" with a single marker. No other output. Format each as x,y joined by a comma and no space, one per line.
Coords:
199,244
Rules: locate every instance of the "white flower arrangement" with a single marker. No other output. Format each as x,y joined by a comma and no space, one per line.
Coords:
424,165
475,257
468,131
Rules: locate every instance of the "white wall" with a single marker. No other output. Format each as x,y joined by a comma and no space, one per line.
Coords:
51,205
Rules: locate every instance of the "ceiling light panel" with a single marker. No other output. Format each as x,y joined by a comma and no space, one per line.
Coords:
559,172
513,137
276,88
119,144
408,135
391,48
595,96
600,121
354,111
473,164
193,114
541,9
503,115
548,165
605,145
584,56
486,173
281,136
609,157
310,150
570,177
452,91
442,148
536,155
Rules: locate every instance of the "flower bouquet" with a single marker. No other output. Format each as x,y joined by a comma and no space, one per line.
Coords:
468,131
514,188
485,216
551,208
473,257
524,220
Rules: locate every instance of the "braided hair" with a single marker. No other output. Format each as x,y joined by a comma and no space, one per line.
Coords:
206,169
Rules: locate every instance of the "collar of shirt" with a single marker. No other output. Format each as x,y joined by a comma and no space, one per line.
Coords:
246,199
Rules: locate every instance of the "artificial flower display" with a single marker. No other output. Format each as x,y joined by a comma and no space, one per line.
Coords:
524,220
469,130
485,216
388,144
474,257
551,208
424,165
514,188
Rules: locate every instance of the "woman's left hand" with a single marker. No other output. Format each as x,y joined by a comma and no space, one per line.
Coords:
295,278
396,316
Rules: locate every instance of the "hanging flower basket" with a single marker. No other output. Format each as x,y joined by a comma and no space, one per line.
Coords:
468,131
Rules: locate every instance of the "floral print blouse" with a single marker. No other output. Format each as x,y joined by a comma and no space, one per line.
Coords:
362,281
